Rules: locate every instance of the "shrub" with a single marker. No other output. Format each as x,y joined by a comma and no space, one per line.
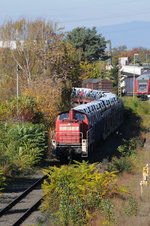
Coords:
27,157
125,153
33,134
75,192
27,109
2,180
107,208
121,164
22,145
129,147
131,208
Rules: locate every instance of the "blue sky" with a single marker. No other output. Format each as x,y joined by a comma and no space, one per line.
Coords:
99,13
73,13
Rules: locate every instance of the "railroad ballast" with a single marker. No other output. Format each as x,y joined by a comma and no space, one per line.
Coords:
82,127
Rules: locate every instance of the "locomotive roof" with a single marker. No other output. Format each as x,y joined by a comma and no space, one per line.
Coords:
144,77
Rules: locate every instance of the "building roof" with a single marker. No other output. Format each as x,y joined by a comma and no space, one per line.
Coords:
131,70
93,80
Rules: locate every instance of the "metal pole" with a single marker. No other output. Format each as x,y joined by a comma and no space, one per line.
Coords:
119,77
135,54
17,90
146,58
134,79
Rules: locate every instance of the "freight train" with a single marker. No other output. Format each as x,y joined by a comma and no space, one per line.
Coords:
142,86
82,127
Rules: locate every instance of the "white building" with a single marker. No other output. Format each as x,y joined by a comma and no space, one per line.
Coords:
130,73
8,44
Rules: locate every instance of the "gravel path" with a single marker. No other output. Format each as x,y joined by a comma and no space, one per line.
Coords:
14,189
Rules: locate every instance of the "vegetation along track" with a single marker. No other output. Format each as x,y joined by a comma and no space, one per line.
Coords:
18,210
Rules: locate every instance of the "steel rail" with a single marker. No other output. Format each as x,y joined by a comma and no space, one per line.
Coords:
27,213
24,194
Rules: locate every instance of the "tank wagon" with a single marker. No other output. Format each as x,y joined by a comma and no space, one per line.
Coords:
142,86
82,127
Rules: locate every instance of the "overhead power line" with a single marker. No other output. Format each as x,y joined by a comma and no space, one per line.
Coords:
127,15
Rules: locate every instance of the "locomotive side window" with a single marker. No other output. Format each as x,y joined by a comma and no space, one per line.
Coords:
79,116
64,116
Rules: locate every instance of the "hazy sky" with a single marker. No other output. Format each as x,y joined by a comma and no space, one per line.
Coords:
73,13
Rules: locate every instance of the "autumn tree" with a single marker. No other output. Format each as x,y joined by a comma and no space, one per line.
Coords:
114,76
143,55
51,98
117,52
39,50
7,74
36,45
94,70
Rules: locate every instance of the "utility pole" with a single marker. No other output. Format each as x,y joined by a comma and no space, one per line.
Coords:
146,59
135,54
109,52
18,69
119,78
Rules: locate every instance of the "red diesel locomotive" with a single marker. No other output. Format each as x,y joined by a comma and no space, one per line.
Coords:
142,86
81,128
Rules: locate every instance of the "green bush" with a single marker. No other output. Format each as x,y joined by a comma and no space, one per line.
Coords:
2,180
33,134
131,208
128,147
107,209
121,164
22,145
27,109
123,161
74,193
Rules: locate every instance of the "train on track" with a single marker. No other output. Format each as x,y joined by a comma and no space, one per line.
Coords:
142,86
82,127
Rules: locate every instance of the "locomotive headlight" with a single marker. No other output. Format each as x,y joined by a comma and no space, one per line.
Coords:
54,143
84,145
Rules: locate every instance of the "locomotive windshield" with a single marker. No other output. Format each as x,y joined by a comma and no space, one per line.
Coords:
142,87
64,116
79,116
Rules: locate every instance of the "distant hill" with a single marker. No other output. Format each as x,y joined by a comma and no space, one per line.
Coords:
134,34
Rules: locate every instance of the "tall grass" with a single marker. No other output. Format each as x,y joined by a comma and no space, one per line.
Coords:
137,105
123,161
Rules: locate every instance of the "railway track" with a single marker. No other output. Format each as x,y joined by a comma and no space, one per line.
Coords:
17,211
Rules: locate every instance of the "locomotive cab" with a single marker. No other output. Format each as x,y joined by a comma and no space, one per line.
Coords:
142,86
70,134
